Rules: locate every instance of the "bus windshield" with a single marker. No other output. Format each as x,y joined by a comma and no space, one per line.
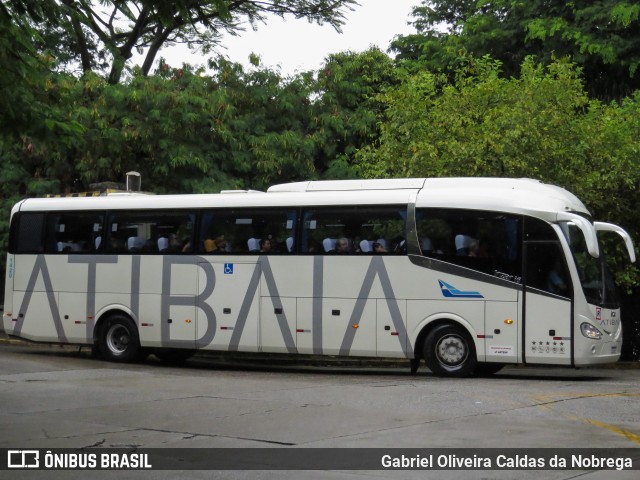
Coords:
596,281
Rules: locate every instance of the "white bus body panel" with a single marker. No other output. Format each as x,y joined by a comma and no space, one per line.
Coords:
378,308
359,313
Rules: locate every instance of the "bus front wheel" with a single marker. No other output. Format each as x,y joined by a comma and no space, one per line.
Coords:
119,340
449,352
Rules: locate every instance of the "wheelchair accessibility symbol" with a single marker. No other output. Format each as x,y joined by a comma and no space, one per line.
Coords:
228,268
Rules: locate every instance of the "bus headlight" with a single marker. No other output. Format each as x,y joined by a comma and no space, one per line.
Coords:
590,331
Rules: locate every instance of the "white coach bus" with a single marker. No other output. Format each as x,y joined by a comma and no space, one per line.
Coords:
469,274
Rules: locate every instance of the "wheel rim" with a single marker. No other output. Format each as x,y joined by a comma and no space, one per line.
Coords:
118,339
452,350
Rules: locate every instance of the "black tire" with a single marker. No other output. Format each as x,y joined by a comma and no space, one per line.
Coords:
119,340
173,355
450,352
488,369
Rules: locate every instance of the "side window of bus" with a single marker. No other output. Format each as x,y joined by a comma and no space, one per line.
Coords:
538,230
74,232
248,231
545,266
546,269
27,233
485,241
150,232
354,230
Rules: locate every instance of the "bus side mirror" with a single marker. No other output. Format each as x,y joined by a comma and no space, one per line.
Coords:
609,227
586,228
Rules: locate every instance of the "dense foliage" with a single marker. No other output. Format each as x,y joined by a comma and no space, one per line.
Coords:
601,37
103,36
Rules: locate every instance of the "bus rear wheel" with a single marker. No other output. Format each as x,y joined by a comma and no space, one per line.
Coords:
118,340
449,352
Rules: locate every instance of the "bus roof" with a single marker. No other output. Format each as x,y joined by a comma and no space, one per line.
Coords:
349,185
230,199
515,195
524,196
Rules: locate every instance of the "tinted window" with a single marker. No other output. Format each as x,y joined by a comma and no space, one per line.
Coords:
597,283
354,230
27,233
74,232
481,240
546,269
248,231
150,232
536,229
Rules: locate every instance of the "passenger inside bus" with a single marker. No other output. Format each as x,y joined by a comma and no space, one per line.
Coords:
342,246
222,244
356,245
314,246
379,246
555,279
209,245
265,245
217,245
174,244
478,248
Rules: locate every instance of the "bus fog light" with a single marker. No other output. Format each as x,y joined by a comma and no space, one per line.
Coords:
590,331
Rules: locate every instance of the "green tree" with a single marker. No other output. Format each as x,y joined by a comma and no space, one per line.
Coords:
346,109
262,126
24,103
24,72
602,37
184,130
102,36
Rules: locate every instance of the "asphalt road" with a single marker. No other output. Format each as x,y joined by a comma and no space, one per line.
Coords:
53,397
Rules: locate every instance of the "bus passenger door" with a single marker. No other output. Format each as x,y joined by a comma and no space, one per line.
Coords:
547,305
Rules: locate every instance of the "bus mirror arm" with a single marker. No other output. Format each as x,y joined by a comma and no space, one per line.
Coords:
587,229
609,227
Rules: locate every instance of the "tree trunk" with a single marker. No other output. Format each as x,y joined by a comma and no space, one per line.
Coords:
153,51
